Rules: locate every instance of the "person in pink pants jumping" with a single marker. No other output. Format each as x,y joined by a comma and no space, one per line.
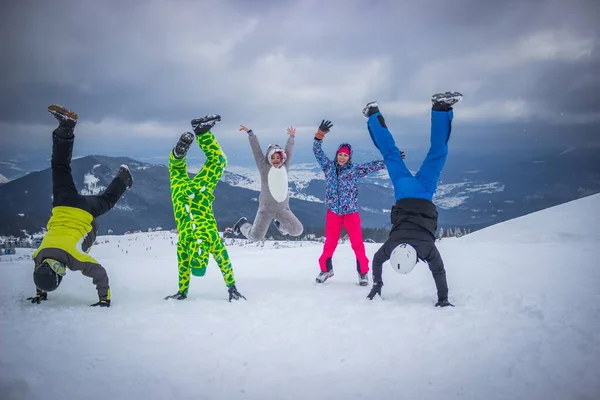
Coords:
341,198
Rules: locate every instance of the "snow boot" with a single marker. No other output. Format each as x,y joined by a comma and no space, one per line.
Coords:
363,279
445,101
323,276
205,124
66,121
183,145
370,109
62,114
238,225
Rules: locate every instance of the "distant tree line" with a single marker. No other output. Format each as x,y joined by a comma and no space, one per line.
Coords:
376,235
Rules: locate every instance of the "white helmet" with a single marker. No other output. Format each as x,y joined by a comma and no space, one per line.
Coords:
403,258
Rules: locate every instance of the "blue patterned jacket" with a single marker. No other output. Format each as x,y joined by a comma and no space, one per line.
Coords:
341,181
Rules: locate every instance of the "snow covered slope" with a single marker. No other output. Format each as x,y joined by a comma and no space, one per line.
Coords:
526,323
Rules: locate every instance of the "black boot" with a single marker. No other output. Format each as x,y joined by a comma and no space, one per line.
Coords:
183,145
238,225
445,101
205,124
370,109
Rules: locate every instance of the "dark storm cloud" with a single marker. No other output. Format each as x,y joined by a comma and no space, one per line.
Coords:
144,68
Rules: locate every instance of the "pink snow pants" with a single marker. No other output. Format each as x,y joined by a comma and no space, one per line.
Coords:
333,229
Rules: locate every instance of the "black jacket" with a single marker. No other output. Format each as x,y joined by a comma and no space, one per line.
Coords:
415,219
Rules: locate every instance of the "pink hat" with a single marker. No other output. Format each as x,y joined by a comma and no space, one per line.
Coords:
343,149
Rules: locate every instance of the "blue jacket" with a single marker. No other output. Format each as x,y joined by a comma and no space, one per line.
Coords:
341,181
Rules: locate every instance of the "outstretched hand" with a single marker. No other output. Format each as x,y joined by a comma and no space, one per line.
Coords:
291,131
323,129
325,126
243,128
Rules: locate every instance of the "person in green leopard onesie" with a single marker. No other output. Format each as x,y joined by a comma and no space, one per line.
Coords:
192,207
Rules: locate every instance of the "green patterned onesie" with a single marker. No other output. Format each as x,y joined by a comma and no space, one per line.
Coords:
192,206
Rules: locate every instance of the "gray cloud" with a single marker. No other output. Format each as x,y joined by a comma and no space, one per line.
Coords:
140,70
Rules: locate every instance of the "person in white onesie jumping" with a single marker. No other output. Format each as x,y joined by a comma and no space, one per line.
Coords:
273,202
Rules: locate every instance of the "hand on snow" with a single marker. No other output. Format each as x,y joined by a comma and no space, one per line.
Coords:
291,131
375,290
443,303
40,295
234,294
177,296
101,303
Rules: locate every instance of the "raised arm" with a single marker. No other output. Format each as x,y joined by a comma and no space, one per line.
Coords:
289,145
259,156
367,168
320,155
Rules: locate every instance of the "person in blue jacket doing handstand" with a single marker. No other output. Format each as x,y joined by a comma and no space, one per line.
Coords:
414,216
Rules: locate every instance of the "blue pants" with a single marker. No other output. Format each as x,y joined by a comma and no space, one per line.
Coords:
424,184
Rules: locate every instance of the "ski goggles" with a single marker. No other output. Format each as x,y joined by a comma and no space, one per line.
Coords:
56,266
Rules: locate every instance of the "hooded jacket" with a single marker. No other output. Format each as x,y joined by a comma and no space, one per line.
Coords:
273,201
273,181
341,181
69,239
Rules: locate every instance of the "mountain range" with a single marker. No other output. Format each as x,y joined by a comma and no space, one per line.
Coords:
475,191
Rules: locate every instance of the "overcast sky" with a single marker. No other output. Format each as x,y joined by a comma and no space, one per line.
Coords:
138,71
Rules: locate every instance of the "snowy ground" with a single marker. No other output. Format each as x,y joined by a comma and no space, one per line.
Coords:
526,323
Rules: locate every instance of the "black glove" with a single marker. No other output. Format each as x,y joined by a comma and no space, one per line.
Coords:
177,296
375,290
323,129
234,294
325,126
40,295
443,303
101,303
402,154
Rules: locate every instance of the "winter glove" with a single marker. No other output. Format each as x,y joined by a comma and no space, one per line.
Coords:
323,129
101,303
402,154
234,294
40,295
375,290
443,303
177,296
